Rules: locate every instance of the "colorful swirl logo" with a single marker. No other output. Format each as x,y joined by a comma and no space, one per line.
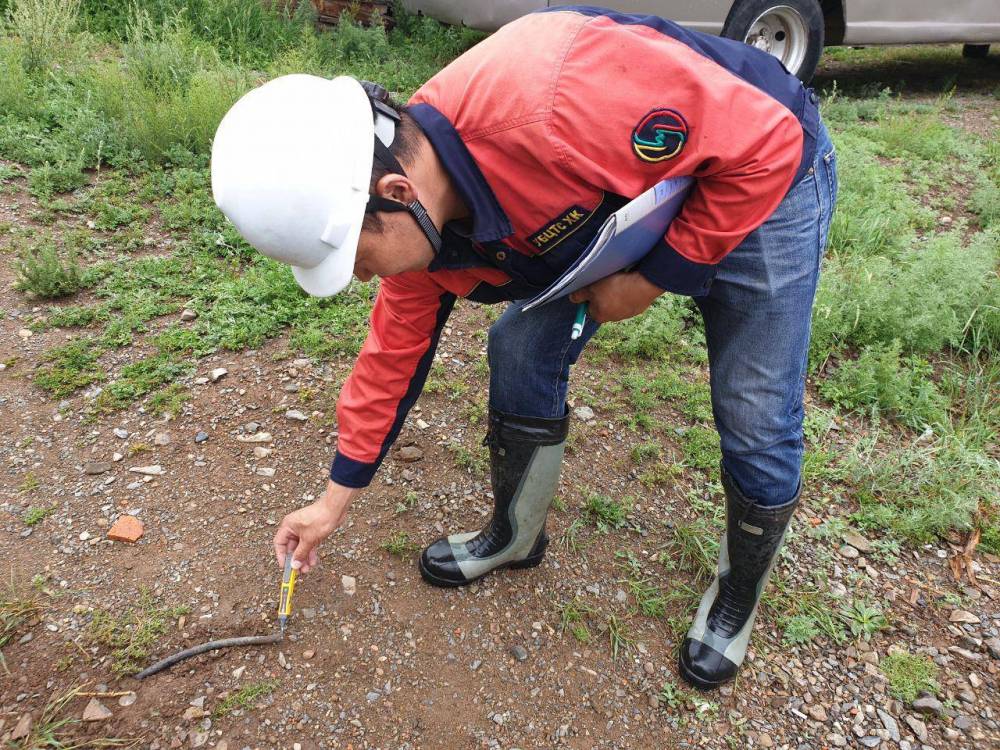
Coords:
660,135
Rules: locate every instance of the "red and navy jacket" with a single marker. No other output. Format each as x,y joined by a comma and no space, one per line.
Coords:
547,127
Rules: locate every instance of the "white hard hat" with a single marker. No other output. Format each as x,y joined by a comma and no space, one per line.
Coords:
291,165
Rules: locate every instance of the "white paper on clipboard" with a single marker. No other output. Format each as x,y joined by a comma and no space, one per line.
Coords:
624,238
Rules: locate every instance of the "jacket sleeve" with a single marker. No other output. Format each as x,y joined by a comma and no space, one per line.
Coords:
406,322
618,82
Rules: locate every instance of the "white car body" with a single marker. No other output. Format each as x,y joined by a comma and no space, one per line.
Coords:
853,21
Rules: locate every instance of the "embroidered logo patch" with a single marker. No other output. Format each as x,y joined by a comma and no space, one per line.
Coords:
660,135
558,228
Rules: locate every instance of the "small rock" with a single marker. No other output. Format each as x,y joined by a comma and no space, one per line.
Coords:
765,740
127,700
238,672
23,727
260,451
200,437
857,541
410,454
519,652
154,470
187,315
928,705
349,584
96,467
889,723
837,740
975,680
116,457
916,726
296,415
257,437
993,644
584,412
849,552
373,696
161,438
198,739
120,433
960,615
421,424
265,471
870,741
217,374
963,723
96,711
308,654
126,529
817,712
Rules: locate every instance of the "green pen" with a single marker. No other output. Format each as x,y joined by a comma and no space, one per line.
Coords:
581,318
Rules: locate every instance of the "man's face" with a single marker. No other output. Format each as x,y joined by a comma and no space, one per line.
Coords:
401,246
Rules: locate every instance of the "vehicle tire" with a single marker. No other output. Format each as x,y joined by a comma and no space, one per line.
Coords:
975,51
791,30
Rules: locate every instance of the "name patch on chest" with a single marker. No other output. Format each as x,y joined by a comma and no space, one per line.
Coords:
559,228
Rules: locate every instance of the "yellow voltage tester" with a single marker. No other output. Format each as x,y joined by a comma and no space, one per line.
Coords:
287,587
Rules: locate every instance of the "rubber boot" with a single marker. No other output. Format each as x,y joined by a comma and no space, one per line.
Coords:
717,642
525,458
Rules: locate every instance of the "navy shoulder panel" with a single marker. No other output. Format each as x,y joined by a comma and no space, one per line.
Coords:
756,67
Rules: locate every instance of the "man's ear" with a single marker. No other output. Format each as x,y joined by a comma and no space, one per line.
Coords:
396,187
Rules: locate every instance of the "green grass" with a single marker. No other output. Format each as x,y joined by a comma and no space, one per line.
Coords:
131,634
245,698
701,448
606,513
573,617
35,515
18,613
48,274
400,545
910,675
881,382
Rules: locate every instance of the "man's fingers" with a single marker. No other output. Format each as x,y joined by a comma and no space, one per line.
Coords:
282,537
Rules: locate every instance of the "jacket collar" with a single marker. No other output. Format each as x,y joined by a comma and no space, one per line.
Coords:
489,222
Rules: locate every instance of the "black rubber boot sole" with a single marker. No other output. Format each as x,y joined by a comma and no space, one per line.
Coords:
531,561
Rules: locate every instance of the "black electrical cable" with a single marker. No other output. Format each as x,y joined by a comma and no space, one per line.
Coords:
252,640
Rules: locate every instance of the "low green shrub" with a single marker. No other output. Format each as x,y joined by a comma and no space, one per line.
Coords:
910,675
923,489
881,382
942,295
44,28
45,272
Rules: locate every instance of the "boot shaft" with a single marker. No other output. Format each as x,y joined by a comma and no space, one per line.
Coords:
525,457
754,532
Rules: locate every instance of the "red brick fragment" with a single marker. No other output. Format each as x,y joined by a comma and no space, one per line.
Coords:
126,529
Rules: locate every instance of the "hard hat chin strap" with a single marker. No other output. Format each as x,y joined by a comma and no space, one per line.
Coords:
415,208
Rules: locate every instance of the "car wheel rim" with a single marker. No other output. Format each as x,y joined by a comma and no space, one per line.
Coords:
781,31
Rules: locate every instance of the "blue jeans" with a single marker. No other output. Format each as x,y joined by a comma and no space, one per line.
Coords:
758,316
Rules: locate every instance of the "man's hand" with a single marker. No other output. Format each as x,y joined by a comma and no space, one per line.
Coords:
617,297
302,530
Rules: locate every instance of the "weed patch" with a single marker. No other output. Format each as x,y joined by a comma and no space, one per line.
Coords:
132,633
245,697
910,675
